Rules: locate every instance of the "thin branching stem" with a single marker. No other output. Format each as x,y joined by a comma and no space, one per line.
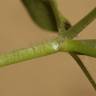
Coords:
84,69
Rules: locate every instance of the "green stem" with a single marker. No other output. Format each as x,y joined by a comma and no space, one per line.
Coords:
29,53
85,71
82,47
83,23
74,31
62,22
47,48
44,49
78,47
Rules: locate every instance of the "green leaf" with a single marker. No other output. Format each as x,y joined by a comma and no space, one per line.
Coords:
41,12
44,13
77,28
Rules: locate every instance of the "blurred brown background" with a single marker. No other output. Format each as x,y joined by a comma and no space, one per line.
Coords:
54,75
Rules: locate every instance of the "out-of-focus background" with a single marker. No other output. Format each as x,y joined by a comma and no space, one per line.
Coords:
54,75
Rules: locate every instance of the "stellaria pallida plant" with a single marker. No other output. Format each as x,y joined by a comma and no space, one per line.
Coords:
46,15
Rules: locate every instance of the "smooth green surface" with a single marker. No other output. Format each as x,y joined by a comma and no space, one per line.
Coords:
83,23
89,42
42,12
78,47
84,70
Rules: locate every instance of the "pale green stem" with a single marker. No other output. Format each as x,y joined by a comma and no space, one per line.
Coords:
78,47
29,53
44,49
47,48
